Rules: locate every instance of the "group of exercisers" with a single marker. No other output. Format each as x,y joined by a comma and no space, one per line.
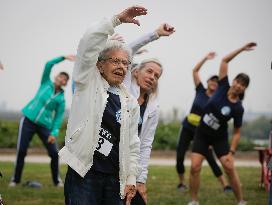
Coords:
114,115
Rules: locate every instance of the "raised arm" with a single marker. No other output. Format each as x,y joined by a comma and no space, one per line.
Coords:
198,66
224,63
163,30
48,68
94,41
49,65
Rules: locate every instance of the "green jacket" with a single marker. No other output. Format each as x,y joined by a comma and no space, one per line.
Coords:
47,108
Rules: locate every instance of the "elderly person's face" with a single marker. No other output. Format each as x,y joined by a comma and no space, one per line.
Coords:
148,76
114,67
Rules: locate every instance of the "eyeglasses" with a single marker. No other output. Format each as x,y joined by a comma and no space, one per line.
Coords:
118,61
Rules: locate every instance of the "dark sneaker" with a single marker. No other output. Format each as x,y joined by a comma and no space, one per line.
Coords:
227,189
33,184
182,187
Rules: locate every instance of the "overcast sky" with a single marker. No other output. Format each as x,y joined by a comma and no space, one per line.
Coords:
34,31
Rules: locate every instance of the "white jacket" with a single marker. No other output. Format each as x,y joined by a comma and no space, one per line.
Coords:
151,115
88,105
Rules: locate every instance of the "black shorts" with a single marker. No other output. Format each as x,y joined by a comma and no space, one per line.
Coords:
202,141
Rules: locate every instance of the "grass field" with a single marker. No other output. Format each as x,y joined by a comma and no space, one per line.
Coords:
161,187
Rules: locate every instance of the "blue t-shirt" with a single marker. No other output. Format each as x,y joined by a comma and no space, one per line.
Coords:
142,111
201,98
219,110
106,155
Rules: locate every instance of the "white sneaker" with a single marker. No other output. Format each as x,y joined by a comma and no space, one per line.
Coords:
12,184
193,203
242,203
60,184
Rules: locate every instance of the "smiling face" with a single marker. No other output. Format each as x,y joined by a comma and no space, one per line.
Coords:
238,87
212,85
114,66
61,80
147,76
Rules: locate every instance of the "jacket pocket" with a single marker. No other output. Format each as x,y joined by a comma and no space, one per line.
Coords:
77,132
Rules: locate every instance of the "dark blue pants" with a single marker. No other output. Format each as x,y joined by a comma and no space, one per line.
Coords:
26,131
95,188
185,138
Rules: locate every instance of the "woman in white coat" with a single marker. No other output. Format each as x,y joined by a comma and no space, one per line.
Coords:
102,144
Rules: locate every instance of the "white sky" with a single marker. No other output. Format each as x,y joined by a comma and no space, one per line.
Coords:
34,31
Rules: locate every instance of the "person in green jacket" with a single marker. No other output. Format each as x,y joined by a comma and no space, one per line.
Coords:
43,115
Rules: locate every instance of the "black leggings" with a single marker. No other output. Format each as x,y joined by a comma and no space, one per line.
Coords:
186,136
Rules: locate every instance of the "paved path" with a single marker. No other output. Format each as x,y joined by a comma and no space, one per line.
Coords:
153,161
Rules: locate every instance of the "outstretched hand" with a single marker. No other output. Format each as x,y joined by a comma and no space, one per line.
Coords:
210,56
165,30
70,57
249,46
129,14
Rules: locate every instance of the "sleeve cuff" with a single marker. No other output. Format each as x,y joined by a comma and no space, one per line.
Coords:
131,180
155,35
141,180
115,21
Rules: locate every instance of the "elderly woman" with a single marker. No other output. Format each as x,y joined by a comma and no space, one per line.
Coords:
102,144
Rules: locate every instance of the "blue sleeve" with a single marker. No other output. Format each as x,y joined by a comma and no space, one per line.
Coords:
238,117
224,82
200,88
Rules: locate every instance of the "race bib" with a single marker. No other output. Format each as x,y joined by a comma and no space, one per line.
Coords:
104,146
211,121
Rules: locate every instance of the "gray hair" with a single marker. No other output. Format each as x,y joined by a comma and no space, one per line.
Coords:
115,45
150,60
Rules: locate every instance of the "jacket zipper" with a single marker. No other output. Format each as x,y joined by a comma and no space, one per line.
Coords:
43,108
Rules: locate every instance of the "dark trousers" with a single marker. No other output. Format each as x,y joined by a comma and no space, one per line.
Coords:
185,138
96,188
27,129
137,200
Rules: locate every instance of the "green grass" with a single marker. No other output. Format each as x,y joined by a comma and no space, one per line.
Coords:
161,187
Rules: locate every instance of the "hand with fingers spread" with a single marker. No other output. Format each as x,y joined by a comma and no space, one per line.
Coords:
130,192
249,46
129,14
117,37
70,57
165,30
210,56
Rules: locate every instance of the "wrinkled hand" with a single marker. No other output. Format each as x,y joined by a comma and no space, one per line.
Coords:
249,46
129,14
117,37
210,55
165,30
130,192
141,188
51,139
70,57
